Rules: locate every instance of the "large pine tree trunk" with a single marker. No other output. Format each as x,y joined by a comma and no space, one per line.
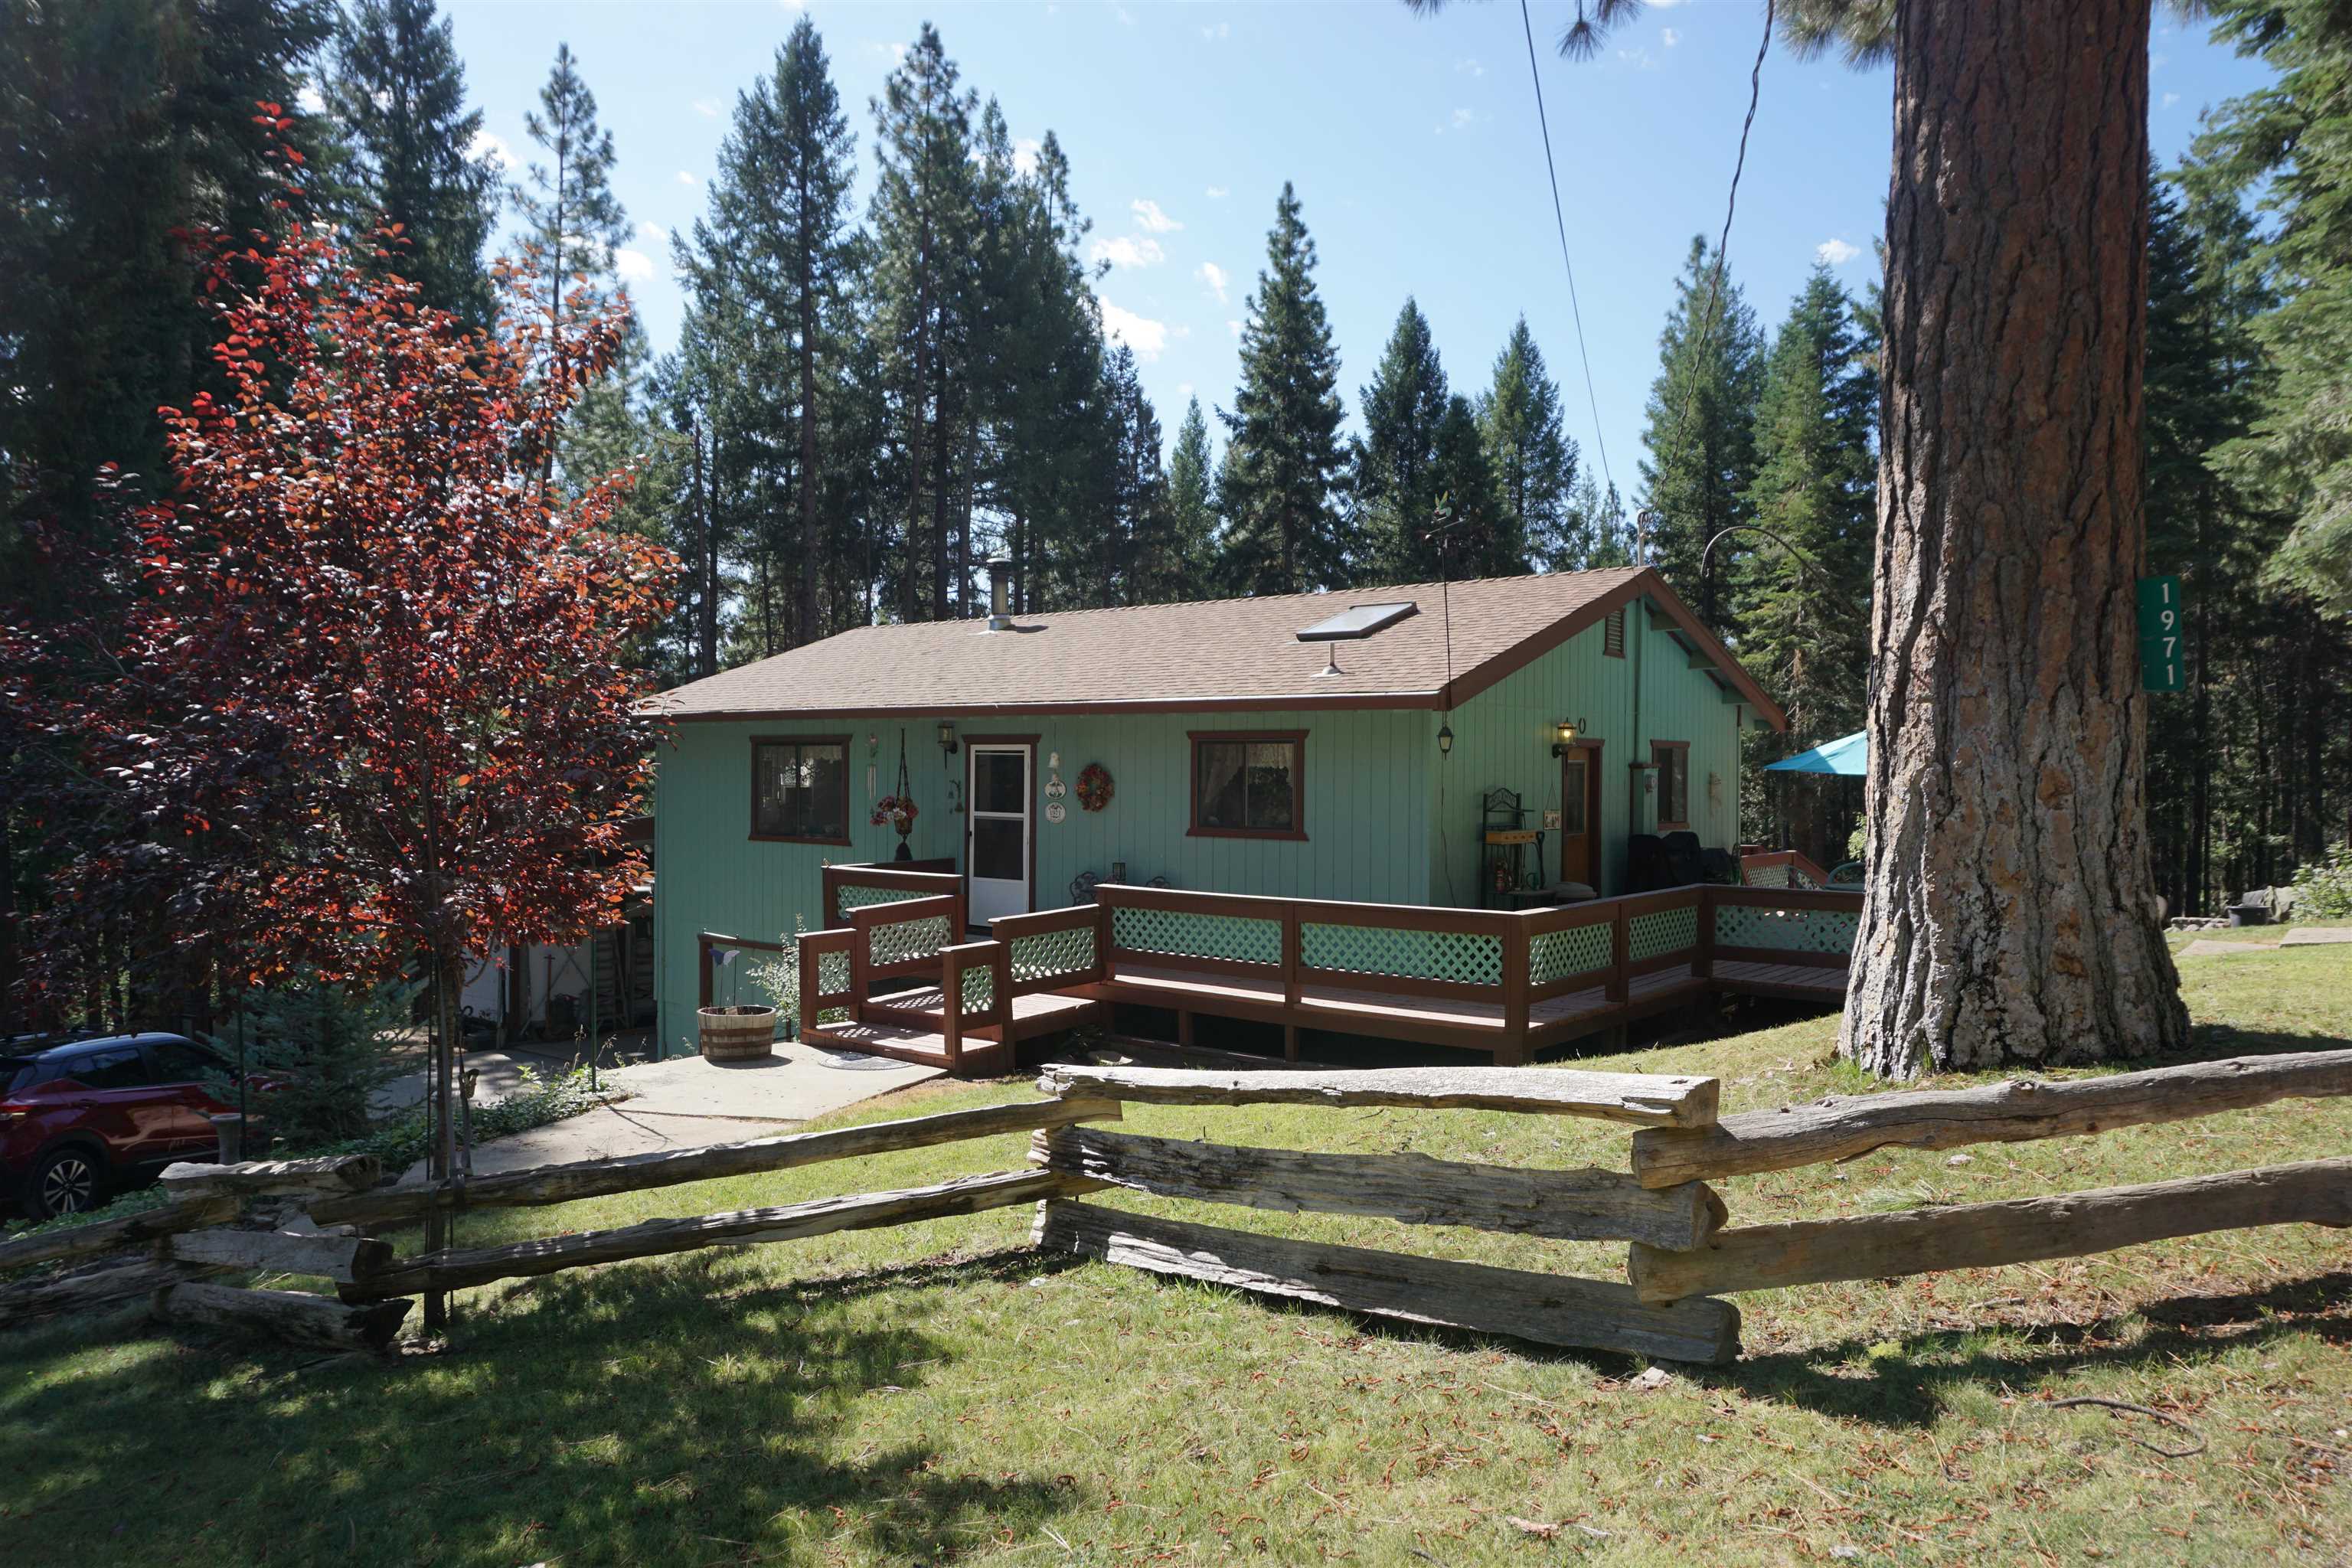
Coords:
2012,914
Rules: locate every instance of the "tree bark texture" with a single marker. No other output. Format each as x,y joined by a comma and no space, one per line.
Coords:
2012,914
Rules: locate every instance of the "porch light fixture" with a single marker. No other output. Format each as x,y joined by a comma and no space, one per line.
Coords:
1445,740
947,737
1564,734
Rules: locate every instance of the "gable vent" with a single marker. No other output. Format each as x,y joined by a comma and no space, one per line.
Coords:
1613,634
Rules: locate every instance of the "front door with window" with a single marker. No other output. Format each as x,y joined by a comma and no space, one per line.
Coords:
997,831
1579,817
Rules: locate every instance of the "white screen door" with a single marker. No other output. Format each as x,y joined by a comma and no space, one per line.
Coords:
996,839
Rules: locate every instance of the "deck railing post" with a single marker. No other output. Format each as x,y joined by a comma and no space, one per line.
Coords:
1290,959
1704,965
1515,993
702,960
1621,952
1103,927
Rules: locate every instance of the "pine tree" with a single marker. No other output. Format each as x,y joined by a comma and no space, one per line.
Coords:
1480,536
1281,532
1702,411
1393,481
1801,594
1191,502
925,292
2290,140
397,92
777,246
573,222
1533,460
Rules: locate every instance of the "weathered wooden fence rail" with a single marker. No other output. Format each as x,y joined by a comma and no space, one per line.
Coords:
1684,1254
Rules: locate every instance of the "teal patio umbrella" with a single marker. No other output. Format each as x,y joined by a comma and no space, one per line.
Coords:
1849,758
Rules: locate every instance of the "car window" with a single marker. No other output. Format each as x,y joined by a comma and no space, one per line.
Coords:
18,1072
110,1070
178,1061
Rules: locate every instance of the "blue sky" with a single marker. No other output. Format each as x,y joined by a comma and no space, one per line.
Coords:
1412,142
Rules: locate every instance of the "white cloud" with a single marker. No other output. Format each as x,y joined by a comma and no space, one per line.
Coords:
1183,391
654,232
1836,252
894,53
2169,100
485,148
1221,30
634,266
1024,154
1216,277
1217,193
310,100
1234,328
1638,59
1147,215
1127,250
685,179
707,108
1462,117
1469,66
1144,335
1126,17
1669,36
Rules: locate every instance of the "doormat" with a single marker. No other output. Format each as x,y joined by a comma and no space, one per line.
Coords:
854,1061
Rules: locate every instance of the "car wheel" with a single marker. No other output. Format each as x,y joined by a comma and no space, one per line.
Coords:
66,1181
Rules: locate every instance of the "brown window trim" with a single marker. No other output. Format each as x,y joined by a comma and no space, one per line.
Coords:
755,836
1296,832
1667,824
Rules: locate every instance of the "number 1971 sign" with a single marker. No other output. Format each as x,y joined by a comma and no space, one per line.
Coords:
2162,666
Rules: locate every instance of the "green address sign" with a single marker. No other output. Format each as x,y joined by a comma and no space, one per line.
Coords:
2162,664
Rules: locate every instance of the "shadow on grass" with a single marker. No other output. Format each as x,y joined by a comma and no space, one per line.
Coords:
692,1413
1909,1382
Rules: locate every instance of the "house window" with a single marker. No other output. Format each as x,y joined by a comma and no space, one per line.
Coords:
1671,759
1249,785
1613,633
800,790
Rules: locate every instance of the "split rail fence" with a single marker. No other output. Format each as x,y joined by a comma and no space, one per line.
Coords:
1683,1253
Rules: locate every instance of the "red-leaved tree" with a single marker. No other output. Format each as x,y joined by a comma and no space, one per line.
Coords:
362,705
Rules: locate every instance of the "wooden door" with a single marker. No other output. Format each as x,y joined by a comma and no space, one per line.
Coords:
1579,817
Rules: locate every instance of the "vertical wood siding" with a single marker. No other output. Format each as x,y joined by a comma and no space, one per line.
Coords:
1367,803
1503,738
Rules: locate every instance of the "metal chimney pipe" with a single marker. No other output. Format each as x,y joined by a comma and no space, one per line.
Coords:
999,574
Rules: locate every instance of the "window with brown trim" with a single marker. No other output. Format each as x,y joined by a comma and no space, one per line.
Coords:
1613,633
800,789
1249,783
1671,759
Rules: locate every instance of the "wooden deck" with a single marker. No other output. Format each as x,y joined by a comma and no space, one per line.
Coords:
1505,984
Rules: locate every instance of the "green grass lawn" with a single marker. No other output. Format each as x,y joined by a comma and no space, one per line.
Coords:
939,1392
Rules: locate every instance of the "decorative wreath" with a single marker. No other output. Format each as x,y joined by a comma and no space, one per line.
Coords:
1095,786
895,810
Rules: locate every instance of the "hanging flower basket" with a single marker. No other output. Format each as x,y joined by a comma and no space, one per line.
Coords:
1095,788
898,811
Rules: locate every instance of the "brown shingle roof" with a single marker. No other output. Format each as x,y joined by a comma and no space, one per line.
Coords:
1214,654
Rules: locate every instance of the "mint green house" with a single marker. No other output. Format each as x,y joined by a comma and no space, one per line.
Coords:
1335,746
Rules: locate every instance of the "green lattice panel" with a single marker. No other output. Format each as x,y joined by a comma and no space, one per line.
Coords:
856,898
979,988
1579,950
917,938
1660,932
1461,956
1183,934
1767,876
1070,951
832,973
1786,930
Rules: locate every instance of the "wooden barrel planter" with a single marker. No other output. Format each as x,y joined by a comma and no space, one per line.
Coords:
737,1033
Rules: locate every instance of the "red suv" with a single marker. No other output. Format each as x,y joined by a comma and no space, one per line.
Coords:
78,1120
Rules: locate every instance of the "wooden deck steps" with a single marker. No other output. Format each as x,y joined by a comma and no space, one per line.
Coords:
912,1043
1034,1012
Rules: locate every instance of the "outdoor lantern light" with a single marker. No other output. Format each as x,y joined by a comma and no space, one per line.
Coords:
1563,736
947,736
1445,740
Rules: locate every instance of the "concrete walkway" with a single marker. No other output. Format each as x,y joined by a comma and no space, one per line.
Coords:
2317,936
686,1101
2212,947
